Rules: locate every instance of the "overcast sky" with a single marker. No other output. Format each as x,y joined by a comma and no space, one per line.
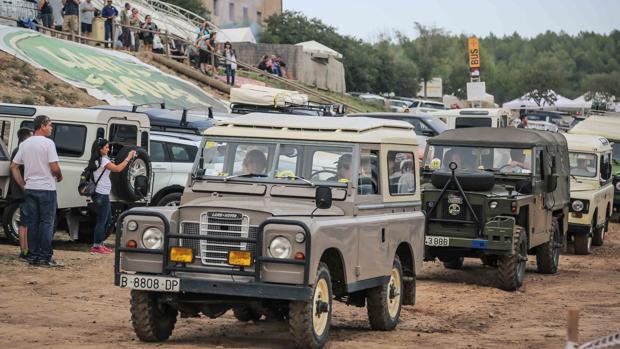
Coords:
365,19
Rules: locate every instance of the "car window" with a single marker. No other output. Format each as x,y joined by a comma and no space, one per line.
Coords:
70,140
582,164
472,122
401,173
122,135
333,165
287,161
368,179
182,152
158,152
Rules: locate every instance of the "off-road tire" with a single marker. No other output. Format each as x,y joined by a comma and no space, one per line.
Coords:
511,269
548,254
598,234
379,301
152,320
301,314
121,186
453,262
8,224
409,291
247,313
169,199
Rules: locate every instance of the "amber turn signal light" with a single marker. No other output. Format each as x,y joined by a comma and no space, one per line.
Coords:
299,256
181,255
132,244
240,258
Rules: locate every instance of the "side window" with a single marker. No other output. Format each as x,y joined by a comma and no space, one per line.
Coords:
182,152
69,139
122,135
368,179
287,161
333,165
540,166
5,131
158,152
401,173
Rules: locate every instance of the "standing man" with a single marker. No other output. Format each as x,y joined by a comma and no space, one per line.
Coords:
109,12
70,19
41,172
87,13
17,193
57,14
523,123
125,23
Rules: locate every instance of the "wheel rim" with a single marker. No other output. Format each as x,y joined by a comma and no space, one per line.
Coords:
589,243
14,219
522,262
173,203
138,168
393,293
320,317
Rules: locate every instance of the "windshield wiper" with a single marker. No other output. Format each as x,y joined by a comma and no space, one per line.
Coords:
575,178
297,177
245,175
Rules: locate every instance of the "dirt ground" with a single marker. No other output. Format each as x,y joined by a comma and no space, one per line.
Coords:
79,307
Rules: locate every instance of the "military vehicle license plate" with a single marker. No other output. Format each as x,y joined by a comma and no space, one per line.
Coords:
436,241
150,283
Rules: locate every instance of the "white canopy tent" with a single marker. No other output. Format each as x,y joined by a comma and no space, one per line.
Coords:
233,35
315,46
560,103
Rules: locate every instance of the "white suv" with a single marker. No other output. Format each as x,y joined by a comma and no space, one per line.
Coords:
172,157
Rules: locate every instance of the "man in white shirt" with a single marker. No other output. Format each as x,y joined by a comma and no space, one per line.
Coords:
41,172
87,13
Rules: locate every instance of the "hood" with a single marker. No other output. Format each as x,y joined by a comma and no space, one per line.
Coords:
583,185
274,206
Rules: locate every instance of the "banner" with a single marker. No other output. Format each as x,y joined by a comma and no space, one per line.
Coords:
113,76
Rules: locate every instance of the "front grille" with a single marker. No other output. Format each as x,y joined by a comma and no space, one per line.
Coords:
191,228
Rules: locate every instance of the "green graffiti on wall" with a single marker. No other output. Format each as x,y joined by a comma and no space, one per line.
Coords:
93,68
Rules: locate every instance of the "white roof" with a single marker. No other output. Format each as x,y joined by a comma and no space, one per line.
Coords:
315,46
244,34
577,142
473,112
599,125
337,129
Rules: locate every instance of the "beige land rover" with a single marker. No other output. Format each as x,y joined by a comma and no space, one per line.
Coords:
281,215
591,190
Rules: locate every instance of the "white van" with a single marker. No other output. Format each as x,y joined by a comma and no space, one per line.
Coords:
473,117
74,132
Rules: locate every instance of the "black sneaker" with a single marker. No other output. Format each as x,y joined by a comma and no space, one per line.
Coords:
50,263
23,256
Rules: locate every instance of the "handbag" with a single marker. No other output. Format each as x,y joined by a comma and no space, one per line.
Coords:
87,187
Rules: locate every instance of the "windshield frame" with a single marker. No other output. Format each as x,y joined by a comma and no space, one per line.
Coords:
596,163
532,161
277,144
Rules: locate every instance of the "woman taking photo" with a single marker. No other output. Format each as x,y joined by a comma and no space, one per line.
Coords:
101,175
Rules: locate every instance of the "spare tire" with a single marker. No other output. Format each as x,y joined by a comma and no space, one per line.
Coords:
123,182
470,180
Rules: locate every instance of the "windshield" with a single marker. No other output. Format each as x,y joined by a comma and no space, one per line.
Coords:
616,151
582,164
276,161
503,160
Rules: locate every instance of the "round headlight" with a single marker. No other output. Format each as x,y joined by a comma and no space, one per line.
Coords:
300,237
132,225
577,205
280,247
618,186
492,204
153,238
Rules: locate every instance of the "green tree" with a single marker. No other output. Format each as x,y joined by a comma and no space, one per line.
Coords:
602,86
425,51
542,79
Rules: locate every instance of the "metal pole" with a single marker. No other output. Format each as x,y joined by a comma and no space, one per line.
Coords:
79,21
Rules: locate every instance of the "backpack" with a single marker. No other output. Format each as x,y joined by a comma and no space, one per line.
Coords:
87,186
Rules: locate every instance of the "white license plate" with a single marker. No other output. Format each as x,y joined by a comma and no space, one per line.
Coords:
150,283
436,241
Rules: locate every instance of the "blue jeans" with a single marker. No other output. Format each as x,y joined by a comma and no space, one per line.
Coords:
104,216
108,32
230,74
40,208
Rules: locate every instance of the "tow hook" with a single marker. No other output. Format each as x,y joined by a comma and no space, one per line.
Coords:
321,307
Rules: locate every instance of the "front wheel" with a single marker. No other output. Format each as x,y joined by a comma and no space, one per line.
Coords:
152,320
10,222
385,301
598,235
172,199
309,322
511,269
548,254
583,243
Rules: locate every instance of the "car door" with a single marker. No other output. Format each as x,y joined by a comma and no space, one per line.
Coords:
5,174
161,165
182,158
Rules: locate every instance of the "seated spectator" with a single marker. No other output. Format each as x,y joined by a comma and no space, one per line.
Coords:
255,162
406,182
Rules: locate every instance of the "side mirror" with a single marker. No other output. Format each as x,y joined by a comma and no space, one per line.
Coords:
606,173
429,133
323,197
141,185
552,182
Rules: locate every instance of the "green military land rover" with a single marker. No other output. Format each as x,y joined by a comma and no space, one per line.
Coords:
498,194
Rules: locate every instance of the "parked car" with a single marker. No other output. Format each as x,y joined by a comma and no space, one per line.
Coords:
75,130
547,120
498,194
399,106
421,103
473,117
172,159
280,216
591,190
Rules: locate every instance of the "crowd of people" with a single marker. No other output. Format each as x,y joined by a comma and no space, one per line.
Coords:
273,65
35,170
210,55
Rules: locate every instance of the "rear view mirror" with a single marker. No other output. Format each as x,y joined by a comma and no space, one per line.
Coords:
323,197
141,185
552,182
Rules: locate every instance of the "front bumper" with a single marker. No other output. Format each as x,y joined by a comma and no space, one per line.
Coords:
251,287
578,229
